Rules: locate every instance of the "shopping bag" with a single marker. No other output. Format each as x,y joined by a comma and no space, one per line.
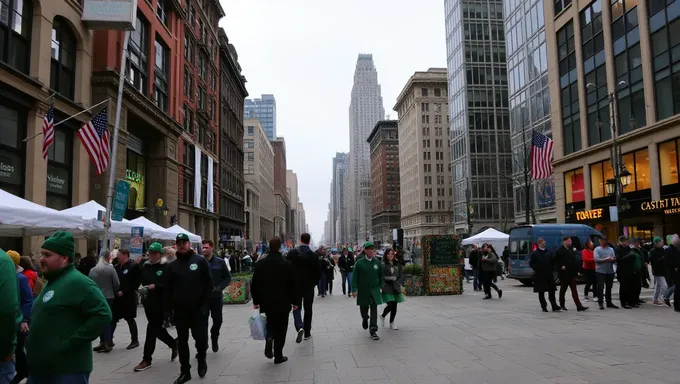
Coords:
258,325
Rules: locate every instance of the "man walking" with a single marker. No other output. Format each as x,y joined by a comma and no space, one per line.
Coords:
187,293
125,303
106,278
567,269
346,265
367,281
474,260
604,269
307,273
153,284
68,315
221,279
10,316
543,264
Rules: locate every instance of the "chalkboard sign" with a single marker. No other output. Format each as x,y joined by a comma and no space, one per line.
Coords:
441,250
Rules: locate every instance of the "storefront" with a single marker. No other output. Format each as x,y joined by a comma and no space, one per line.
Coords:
135,171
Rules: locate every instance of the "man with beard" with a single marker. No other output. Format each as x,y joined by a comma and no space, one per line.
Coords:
221,279
306,266
153,283
125,302
187,293
68,315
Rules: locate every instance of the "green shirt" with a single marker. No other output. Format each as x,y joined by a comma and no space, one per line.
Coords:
68,314
367,279
10,313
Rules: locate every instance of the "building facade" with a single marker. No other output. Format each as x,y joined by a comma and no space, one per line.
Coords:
340,165
366,108
529,101
481,155
259,178
615,54
292,188
263,108
424,156
282,211
385,191
43,46
232,219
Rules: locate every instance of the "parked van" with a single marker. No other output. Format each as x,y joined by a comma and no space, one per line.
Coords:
523,241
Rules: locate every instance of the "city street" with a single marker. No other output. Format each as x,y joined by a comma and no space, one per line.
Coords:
447,339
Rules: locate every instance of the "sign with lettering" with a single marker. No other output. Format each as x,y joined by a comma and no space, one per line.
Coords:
120,200
137,195
442,264
109,14
10,168
134,176
57,180
670,205
136,241
590,214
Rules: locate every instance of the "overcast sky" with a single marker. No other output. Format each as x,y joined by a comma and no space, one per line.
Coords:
304,52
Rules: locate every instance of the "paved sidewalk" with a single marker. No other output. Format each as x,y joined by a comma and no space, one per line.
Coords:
447,339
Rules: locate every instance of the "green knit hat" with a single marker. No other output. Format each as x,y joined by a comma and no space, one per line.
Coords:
155,247
61,243
657,240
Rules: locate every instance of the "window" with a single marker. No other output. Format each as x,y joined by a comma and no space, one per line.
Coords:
423,92
135,170
637,163
189,47
599,174
201,102
248,144
250,156
560,5
569,89
188,83
161,75
574,186
59,165
668,162
666,51
188,189
162,12
188,121
595,73
62,75
12,152
251,130
15,33
138,56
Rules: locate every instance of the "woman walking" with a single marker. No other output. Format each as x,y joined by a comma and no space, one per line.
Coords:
588,258
393,274
489,263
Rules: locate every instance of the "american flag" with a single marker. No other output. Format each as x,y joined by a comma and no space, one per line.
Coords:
48,129
541,156
95,137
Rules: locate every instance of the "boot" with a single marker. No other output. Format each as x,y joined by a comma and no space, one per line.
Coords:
183,378
99,348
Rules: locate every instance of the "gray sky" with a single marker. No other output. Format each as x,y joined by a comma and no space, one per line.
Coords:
304,52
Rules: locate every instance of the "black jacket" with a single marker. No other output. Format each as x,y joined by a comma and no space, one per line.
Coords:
305,264
657,257
129,275
342,263
543,264
273,286
565,257
474,259
154,274
672,263
189,283
220,275
393,276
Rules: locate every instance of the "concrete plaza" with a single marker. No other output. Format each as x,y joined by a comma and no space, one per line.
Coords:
448,339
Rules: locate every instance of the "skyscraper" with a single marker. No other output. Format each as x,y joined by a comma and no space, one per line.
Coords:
338,198
481,159
365,109
263,109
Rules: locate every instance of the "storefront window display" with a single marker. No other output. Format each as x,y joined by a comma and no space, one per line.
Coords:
59,165
637,163
574,186
134,174
668,162
599,174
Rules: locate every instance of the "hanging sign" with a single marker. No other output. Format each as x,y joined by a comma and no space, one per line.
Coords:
110,14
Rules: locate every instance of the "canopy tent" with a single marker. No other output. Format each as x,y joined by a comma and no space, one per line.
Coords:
172,232
19,217
496,238
89,211
152,229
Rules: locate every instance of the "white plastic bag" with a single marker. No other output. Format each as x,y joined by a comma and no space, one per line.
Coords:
258,325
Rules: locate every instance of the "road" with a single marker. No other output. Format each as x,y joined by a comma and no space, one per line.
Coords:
447,339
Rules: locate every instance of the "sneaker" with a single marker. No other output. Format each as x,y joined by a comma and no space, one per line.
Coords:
382,322
658,304
308,336
667,302
143,366
300,334
374,336
393,326
364,323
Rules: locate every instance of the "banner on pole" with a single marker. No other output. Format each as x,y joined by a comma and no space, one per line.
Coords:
120,200
136,241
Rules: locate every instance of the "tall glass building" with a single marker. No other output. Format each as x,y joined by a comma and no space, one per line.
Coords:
263,109
529,104
481,161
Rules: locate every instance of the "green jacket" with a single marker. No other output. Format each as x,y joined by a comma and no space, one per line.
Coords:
367,279
68,314
10,313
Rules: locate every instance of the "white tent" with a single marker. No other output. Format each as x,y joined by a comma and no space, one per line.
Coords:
172,232
496,238
19,217
89,212
152,229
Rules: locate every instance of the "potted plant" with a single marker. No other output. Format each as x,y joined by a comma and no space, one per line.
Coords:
413,280
238,291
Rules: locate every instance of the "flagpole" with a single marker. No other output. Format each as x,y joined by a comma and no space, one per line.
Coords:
69,118
114,146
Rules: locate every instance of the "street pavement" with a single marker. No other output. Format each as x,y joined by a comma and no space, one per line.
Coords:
446,339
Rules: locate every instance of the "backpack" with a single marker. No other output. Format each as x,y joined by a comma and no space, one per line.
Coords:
38,286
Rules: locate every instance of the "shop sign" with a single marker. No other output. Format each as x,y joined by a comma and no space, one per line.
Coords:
669,205
134,176
10,169
57,180
589,214
120,200
109,14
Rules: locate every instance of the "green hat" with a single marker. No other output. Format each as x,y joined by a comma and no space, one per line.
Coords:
61,243
657,240
155,247
368,244
182,237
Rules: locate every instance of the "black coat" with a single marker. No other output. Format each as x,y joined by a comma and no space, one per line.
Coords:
189,284
474,259
543,264
330,268
305,264
220,275
273,286
565,257
657,257
672,263
153,300
129,275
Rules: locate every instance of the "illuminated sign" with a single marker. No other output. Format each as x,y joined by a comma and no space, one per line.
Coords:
589,214
669,205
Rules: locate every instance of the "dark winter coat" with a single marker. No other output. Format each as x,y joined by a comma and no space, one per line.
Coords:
273,286
474,259
565,257
129,275
543,264
189,284
672,264
220,276
305,266
153,298
658,261
330,268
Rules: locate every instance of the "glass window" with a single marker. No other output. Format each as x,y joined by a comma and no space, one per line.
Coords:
668,162
15,33
574,186
59,166
161,74
12,132
138,56
637,163
599,174
63,63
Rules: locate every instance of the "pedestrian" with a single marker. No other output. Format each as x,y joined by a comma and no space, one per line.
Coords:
346,265
489,270
187,294
28,270
393,276
153,283
169,254
125,303
323,267
367,281
474,263
274,291
87,263
221,279
306,268
67,316
542,262
567,269
330,272
10,316
626,272
605,257
588,265
672,258
26,304
106,278
506,259
657,259
635,260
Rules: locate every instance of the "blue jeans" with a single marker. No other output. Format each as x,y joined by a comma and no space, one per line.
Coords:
107,335
216,314
476,283
6,371
73,378
323,284
347,283
669,292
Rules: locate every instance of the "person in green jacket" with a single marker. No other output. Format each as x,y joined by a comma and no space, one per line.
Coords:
10,316
68,315
367,281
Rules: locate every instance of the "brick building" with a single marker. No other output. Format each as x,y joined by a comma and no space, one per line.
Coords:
384,155
282,213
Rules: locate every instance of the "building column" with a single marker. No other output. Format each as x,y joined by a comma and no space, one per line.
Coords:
647,70
587,188
162,179
654,174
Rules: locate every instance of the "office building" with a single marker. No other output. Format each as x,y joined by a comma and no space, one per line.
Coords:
385,191
340,164
258,171
282,200
292,188
263,108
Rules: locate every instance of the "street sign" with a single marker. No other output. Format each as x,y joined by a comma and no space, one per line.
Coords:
120,200
136,241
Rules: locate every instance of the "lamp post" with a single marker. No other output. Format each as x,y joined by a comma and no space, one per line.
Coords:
622,177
